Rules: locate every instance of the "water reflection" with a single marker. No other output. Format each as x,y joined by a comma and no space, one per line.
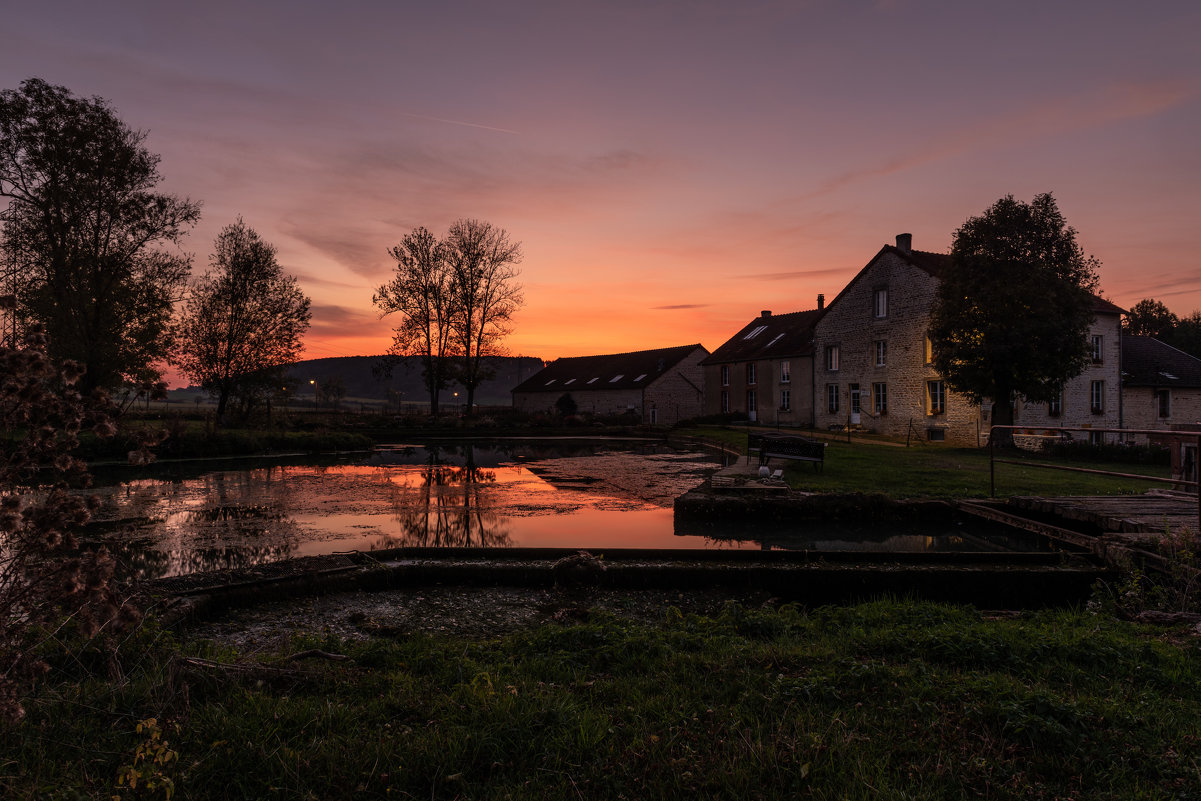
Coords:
449,507
525,493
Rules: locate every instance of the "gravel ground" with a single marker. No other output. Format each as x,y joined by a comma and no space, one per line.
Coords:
471,611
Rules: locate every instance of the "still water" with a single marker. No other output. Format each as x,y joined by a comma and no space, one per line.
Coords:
204,516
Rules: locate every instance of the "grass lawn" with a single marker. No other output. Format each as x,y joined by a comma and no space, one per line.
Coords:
888,700
937,471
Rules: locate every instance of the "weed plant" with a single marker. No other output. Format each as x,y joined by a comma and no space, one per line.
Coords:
887,700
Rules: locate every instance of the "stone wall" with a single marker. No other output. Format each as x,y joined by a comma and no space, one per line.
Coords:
677,395
768,386
587,401
1141,408
851,325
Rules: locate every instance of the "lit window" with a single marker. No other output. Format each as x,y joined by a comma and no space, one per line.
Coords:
929,349
785,372
936,397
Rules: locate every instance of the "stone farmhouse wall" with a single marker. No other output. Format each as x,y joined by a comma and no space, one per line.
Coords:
1141,408
851,326
1076,409
679,394
593,401
769,386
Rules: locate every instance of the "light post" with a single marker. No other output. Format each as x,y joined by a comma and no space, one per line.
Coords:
313,381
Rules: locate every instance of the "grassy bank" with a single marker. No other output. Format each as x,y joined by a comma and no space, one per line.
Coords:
937,471
887,700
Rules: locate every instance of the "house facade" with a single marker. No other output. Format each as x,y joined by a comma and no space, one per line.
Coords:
1161,386
765,371
661,386
872,360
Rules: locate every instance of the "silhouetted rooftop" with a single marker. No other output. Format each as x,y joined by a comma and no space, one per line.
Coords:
1147,362
635,370
774,336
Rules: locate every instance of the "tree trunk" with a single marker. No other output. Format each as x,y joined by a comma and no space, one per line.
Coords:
1002,415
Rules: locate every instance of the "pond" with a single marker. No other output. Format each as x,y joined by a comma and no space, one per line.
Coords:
188,517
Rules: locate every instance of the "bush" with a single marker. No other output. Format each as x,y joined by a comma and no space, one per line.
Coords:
1109,452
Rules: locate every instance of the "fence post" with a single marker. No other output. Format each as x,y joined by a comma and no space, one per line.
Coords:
992,465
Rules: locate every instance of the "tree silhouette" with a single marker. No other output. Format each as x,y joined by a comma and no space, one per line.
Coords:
1013,312
242,322
83,233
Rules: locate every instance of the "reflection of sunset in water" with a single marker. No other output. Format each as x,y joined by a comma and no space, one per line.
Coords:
443,497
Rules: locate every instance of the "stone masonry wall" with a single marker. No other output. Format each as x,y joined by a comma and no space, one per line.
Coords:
679,394
1142,408
851,325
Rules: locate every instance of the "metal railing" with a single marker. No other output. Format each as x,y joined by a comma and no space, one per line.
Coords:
1193,437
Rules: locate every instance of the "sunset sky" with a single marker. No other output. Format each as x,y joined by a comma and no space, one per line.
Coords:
670,168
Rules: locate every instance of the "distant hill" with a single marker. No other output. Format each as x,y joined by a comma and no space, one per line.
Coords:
358,374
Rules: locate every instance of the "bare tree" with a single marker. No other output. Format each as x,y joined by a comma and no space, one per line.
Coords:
420,294
83,230
242,322
483,268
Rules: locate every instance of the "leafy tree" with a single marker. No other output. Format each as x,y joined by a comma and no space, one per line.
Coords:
84,230
485,295
420,294
1150,318
1187,335
1012,314
242,322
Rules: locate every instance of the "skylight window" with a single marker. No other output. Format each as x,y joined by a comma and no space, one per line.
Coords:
617,378
594,380
639,378
548,383
777,339
1169,376
569,381
755,332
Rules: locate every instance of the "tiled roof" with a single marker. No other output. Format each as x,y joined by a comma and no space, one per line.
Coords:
773,336
937,265
610,371
1147,362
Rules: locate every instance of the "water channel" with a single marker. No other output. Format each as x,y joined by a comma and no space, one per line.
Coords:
182,518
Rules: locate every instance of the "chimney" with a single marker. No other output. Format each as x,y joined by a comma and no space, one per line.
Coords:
904,242
765,313
821,301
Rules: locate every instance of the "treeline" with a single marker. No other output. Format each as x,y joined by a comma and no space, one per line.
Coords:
1151,318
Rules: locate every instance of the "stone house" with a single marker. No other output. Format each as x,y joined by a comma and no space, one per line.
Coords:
765,371
872,366
661,386
1161,386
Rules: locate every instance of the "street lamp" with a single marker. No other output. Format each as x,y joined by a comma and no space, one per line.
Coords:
313,381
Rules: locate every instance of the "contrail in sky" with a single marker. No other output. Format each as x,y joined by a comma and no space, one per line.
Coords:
459,122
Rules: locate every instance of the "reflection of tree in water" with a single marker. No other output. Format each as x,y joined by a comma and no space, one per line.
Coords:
449,508
143,561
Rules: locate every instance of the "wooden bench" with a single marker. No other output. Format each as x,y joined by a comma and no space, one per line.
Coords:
786,446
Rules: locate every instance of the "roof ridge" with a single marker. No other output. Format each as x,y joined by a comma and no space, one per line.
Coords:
631,352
